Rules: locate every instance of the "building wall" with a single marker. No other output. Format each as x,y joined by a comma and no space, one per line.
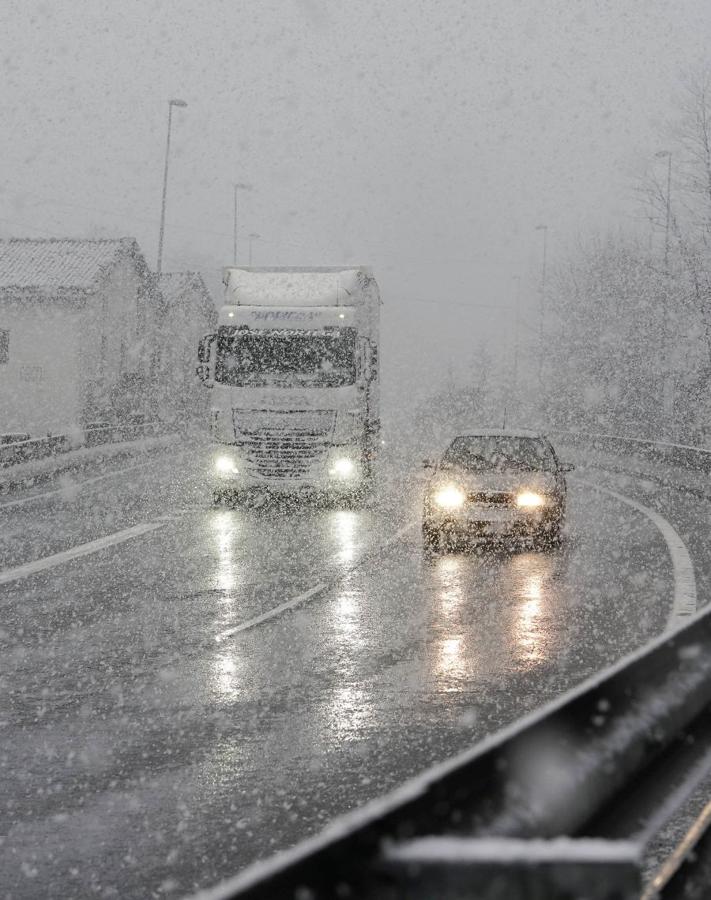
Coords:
39,384
67,355
184,324
114,346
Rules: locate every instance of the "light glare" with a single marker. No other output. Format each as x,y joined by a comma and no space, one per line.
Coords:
225,465
449,497
343,467
530,499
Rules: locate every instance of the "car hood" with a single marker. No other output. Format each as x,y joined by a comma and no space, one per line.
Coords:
495,481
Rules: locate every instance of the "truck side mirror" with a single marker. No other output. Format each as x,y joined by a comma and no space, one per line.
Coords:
373,367
205,371
370,361
205,347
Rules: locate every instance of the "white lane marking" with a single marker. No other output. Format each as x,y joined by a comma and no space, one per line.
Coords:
311,592
75,485
684,603
58,559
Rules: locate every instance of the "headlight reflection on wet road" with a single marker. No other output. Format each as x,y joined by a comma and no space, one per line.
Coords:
344,530
489,615
225,527
226,677
529,571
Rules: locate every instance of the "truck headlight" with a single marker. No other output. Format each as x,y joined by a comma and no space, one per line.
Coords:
226,465
342,467
449,497
530,500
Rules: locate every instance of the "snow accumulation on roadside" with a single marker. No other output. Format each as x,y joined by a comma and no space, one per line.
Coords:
39,468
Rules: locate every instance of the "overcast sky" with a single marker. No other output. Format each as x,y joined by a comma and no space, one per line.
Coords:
426,139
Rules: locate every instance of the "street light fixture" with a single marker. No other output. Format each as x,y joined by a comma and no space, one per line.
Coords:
237,187
171,104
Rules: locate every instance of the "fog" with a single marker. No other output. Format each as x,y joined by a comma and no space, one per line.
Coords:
424,140
236,601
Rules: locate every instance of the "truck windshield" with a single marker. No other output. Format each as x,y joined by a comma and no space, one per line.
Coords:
286,358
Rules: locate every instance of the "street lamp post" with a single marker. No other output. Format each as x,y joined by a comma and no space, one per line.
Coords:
541,324
668,386
237,187
517,314
171,104
252,237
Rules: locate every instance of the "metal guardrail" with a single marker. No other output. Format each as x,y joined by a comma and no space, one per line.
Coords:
559,806
696,458
12,454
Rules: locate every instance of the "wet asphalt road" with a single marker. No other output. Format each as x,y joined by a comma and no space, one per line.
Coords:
167,717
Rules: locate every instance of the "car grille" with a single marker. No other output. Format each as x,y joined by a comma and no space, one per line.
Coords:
492,498
283,445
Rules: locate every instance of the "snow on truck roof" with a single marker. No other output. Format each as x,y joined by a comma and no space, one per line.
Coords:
325,286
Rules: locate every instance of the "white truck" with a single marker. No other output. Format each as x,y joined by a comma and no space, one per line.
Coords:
293,369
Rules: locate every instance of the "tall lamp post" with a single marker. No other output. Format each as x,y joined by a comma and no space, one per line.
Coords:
252,237
238,187
517,315
171,104
541,325
668,385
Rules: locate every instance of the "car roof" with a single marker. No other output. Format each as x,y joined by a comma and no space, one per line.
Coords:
498,432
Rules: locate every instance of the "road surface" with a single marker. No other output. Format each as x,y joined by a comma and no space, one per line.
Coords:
185,689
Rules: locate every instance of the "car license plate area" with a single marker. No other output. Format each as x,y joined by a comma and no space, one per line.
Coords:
490,514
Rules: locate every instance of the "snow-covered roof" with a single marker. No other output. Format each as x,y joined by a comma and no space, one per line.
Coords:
56,263
176,286
186,287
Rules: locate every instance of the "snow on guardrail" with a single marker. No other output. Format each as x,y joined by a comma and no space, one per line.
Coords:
31,449
695,458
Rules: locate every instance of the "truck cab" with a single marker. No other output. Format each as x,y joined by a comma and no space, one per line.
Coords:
293,368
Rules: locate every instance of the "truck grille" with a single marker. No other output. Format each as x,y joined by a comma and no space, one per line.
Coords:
283,445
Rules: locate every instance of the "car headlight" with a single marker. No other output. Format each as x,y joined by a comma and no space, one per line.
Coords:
226,465
449,497
530,500
342,467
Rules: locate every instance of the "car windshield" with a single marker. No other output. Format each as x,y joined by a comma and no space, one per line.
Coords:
285,358
499,453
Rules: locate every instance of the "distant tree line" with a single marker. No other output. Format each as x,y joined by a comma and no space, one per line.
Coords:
628,322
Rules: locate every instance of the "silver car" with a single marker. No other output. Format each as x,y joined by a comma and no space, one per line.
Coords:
495,484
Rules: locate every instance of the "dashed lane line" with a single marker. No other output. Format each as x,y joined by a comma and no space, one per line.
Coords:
313,591
58,559
684,602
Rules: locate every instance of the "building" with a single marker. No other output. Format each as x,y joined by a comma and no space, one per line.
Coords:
75,322
188,313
